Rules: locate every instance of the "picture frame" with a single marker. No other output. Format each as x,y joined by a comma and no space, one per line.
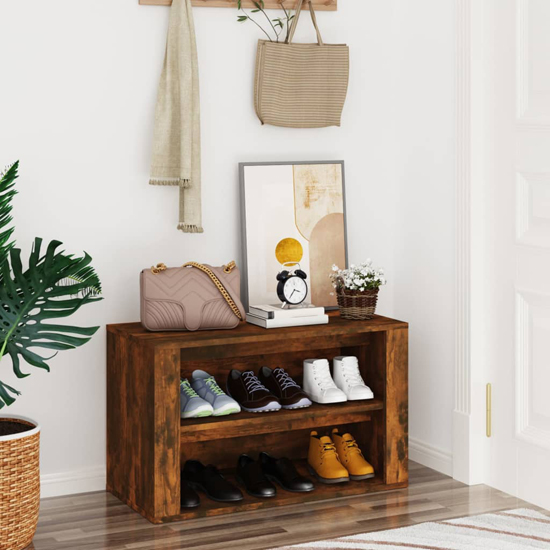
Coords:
287,208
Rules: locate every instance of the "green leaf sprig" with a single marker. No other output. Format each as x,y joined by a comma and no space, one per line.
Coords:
276,26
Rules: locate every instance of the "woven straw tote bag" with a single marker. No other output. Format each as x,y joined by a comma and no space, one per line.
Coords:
301,85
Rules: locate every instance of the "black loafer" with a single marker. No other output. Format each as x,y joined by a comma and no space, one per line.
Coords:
189,498
251,476
209,480
282,471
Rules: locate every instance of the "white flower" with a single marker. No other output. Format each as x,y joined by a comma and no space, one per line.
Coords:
358,277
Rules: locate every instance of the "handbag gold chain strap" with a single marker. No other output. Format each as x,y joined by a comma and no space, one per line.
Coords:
159,268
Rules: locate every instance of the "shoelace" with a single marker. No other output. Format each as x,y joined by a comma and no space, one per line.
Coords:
352,446
352,374
213,385
252,382
284,379
328,448
184,384
321,373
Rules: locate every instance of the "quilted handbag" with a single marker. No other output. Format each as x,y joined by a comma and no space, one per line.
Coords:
191,297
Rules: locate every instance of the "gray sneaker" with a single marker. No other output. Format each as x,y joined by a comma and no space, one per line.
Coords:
191,405
207,387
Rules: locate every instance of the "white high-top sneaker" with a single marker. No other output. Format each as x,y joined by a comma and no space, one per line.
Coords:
318,383
348,378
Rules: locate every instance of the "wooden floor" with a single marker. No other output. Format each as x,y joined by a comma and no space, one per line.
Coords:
98,521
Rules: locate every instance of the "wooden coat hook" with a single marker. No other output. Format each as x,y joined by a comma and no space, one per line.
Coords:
321,5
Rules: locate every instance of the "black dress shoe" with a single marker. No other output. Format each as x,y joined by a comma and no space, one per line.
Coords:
285,474
251,476
189,498
209,480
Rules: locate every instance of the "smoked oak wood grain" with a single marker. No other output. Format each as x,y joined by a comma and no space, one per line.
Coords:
321,5
130,422
246,333
397,406
224,452
284,498
250,424
166,432
148,442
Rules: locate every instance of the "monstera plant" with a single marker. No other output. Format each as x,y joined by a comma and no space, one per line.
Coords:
52,286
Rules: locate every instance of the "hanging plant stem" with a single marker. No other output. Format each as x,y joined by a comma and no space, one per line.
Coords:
247,17
274,23
289,18
260,7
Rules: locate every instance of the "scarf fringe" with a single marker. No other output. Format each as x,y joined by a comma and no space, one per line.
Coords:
183,183
190,228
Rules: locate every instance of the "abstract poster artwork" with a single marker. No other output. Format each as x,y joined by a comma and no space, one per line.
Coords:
293,214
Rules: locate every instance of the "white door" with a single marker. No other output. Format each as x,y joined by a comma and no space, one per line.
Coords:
517,244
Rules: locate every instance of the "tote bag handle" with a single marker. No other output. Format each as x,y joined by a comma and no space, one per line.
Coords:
295,22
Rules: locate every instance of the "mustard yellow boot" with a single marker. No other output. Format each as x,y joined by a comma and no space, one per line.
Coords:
351,456
323,460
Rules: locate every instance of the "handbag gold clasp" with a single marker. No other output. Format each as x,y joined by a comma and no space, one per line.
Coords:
229,267
158,269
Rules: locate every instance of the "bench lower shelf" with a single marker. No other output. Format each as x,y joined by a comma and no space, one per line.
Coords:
210,508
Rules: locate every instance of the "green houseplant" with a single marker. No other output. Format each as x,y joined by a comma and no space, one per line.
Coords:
277,29
54,285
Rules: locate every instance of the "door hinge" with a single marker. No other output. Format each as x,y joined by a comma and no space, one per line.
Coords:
489,398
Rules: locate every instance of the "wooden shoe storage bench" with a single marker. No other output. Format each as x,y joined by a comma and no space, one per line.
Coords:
147,442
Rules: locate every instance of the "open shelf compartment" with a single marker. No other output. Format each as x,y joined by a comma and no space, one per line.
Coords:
284,498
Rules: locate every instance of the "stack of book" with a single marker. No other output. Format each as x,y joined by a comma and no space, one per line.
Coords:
277,317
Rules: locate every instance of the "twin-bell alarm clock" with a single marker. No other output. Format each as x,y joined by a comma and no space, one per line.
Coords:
292,288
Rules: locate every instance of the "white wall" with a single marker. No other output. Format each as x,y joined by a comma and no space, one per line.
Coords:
76,107
424,79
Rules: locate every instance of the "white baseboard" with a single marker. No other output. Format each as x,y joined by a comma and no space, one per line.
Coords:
431,456
70,483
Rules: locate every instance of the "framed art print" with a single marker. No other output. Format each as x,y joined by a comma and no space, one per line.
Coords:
292,213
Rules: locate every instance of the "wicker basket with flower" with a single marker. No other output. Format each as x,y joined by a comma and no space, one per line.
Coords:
357,289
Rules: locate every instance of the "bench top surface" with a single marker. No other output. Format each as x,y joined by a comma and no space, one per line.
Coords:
247,332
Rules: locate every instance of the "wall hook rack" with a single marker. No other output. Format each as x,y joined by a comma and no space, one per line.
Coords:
320,5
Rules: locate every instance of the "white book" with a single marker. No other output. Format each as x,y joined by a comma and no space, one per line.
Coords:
290,322
276,312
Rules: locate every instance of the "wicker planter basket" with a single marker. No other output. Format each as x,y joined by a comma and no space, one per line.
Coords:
19,484
357,305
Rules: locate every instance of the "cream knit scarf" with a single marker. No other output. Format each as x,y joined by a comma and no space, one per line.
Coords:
177,140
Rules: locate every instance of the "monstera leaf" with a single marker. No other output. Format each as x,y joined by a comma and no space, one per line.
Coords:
55,285
7,192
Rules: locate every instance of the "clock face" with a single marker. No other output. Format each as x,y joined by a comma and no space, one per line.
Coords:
295,290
